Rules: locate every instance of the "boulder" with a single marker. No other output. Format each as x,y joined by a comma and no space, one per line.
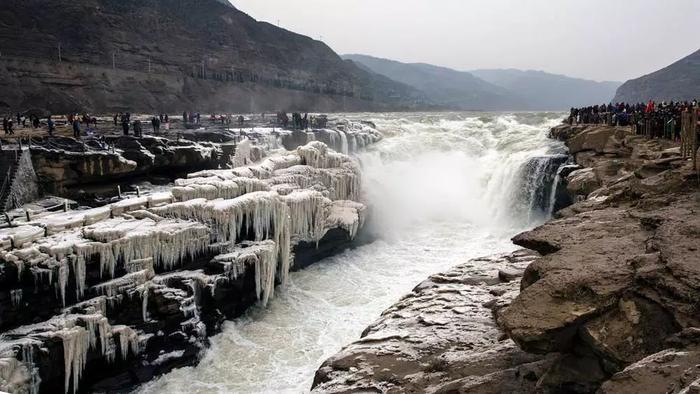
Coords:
600,139
582,182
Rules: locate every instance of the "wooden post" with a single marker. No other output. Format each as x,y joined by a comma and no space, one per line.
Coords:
26,212
65,205
138,191
9,219
119,192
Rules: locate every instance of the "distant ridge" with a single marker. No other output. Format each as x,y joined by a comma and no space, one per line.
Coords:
678,81
446,87
546,91
508,89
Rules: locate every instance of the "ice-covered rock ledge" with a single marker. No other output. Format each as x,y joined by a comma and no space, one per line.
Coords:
106,298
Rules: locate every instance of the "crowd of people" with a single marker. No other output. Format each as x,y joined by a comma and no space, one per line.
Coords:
658,120
85,124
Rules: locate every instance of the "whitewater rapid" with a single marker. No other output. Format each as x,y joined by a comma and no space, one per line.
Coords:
443,188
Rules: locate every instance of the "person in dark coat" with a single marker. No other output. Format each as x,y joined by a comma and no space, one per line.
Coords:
76,129
4,124
52,126
125,124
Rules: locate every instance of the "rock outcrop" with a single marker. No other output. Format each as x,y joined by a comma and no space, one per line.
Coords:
609,305
103,299
63,164
104,56
441,338
619,278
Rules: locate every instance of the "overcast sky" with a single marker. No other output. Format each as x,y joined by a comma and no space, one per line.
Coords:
596,39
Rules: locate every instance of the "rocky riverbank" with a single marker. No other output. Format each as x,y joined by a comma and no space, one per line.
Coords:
610,304
105,298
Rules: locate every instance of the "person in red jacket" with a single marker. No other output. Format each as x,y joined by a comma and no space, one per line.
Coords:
650,107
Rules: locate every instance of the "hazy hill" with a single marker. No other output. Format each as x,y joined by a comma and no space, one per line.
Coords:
174,55
450,88
492,89
679,81
547,91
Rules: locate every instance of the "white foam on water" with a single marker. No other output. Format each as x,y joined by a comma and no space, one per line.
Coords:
442,189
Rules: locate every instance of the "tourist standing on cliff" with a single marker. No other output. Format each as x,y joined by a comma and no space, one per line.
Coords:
138,131
76,129
125,124
52,126
155,122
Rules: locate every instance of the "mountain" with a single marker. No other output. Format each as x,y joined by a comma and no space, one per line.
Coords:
679,81
174,55
492,89
446,87
545,91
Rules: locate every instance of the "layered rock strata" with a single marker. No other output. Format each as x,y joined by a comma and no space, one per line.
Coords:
108,297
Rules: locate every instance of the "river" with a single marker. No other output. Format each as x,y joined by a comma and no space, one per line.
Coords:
443,188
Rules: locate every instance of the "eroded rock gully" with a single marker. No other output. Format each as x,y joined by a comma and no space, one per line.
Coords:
611,305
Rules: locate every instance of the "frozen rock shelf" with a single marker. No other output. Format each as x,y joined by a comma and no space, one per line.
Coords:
120,293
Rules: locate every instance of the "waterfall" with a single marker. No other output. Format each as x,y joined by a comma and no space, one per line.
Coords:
442,188
538,185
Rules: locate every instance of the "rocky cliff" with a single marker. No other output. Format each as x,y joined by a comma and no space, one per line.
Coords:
679,81
171,55
609,306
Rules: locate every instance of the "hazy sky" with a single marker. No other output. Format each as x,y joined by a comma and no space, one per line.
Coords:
596,39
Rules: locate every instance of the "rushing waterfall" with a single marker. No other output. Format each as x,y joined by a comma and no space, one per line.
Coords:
442,188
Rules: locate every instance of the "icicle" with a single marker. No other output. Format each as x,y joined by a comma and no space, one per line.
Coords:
128,341
28,359
262,256
62,281
307,213
343,143
146,288
75,348
16,297
78,264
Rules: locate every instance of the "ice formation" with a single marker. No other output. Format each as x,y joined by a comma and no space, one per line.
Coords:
244,218
348,215
79,333
260,255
